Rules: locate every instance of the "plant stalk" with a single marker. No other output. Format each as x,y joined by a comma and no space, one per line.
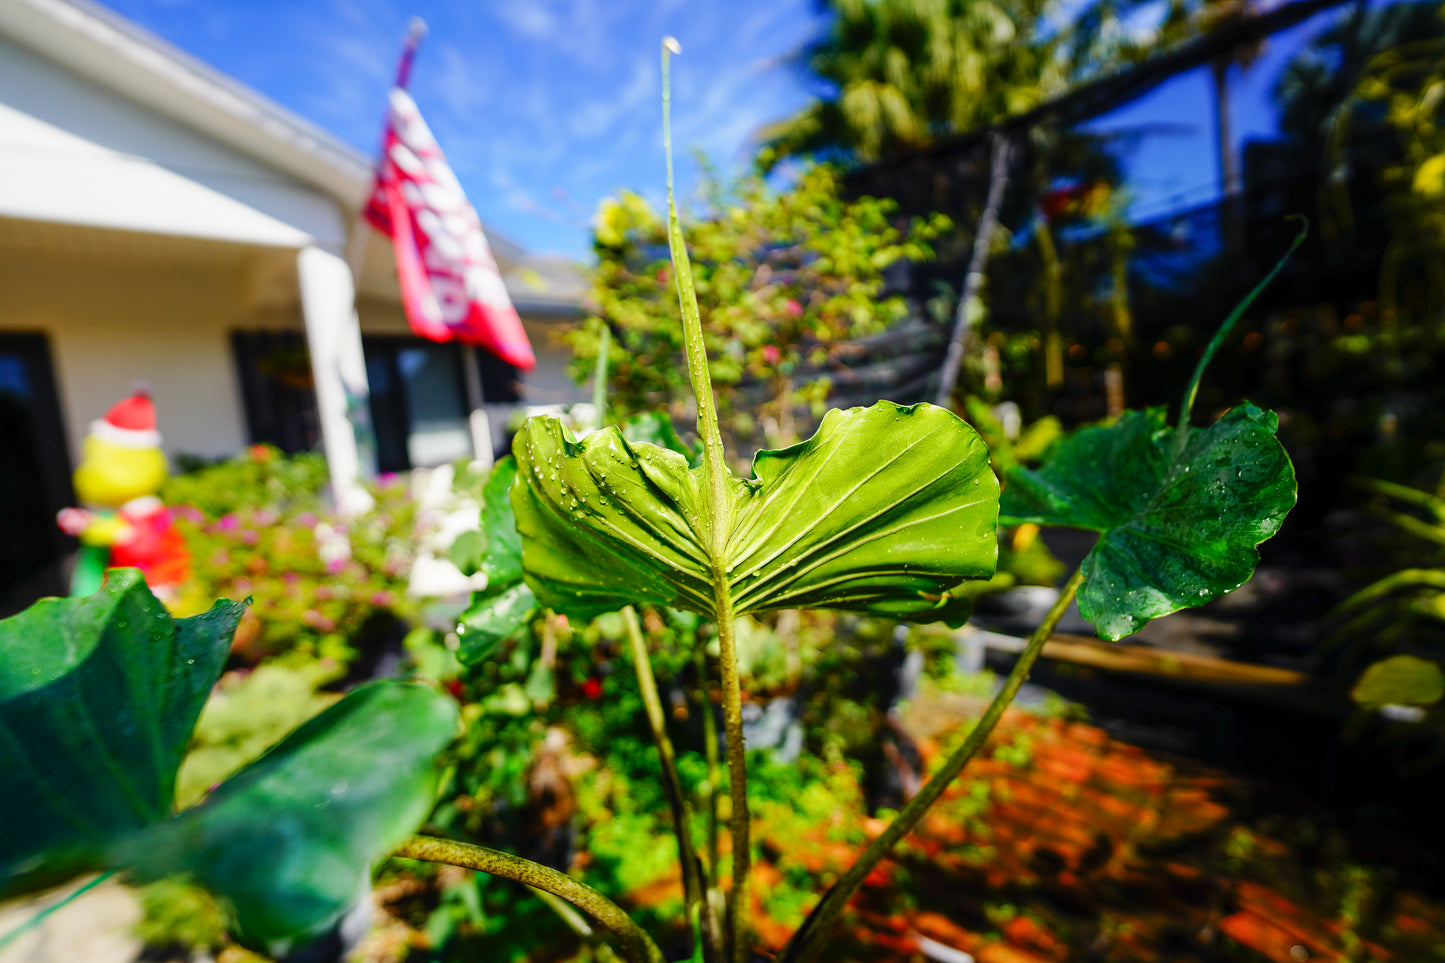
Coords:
714,774
718,523
1224,329
739,820
635,944
692,882
810,937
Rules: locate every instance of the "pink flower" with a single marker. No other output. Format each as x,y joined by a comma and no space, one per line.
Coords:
228,522
794,309
770,353
335,566
306,519
381,599
250,536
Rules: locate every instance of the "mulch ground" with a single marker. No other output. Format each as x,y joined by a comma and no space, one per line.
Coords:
1064,844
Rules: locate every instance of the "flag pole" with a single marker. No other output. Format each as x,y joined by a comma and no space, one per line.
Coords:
361,232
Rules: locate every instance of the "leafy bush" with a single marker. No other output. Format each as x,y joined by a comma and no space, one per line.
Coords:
262,476
315,579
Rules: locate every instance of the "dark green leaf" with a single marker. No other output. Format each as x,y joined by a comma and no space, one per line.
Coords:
98,697
502,563
1178,525
506,605
492,618
1400,680
289,841
885,510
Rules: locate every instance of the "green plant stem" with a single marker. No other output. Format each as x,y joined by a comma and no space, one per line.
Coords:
55,907
719,523
692,884
739,821
714,774
635,944
1223,333
810,937
1410,577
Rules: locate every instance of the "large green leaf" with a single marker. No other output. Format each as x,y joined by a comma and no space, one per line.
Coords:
289,841
1404,680
98,697
1179,524
885,510
505,605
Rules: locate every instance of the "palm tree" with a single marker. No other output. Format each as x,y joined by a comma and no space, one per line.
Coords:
899,74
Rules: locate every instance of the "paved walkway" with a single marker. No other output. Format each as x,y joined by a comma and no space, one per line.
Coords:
99,927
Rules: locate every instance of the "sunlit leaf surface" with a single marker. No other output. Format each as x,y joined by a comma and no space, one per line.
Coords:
1178,525
885,510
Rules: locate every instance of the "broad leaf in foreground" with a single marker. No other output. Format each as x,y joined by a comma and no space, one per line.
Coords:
289,841
1178,523
505,605
1404,680
885,511
98,697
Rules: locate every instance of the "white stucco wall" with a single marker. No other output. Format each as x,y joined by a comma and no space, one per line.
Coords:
73,152
113,321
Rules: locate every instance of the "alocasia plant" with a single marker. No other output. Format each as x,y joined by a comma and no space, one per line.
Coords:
886,510
98,697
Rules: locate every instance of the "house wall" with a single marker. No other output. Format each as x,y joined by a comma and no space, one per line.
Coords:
113,321
73,152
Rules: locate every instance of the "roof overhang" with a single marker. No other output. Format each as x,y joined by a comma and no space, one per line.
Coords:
108,50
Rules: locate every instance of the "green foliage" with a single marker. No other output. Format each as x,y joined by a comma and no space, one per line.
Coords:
315,579
245,715
782,278
905,73
1400,680
1178,513
885,510
262,476
98,697
1400,610
506,604
290,840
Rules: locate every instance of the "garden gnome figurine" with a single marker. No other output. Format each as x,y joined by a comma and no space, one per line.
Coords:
124,524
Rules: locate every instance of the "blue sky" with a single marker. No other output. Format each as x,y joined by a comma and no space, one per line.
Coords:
543,107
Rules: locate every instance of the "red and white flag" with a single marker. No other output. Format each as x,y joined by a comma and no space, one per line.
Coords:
450,286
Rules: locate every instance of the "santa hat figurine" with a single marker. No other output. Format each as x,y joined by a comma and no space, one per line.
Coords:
124,523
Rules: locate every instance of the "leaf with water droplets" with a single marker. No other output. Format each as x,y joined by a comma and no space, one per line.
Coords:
98,697
886,510
1178,524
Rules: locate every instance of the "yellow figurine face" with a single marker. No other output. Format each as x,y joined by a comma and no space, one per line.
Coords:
111,474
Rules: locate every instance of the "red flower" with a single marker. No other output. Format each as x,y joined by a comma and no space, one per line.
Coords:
592,688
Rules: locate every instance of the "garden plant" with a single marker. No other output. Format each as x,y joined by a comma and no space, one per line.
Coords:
886,511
